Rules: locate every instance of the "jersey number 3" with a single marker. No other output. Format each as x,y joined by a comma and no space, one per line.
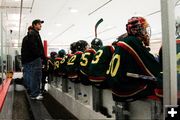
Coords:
97,57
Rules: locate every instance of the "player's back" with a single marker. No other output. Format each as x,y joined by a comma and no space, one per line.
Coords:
85,61
73,68
57,65
132,71
100,64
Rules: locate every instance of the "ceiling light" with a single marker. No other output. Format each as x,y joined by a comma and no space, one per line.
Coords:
109,26
12,24
13,16
15,44
72,10
50,33
15,40
17,0
58,25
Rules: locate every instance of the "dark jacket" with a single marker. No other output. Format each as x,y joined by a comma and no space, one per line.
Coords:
32,47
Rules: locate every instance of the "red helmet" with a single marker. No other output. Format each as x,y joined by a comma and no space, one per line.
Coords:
138,26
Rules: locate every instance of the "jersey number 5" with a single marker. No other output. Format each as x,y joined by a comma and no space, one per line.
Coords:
85,59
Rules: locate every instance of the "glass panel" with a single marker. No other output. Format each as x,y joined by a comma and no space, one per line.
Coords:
177,14
5,51
1,54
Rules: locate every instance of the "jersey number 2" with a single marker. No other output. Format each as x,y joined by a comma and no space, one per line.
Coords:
71,60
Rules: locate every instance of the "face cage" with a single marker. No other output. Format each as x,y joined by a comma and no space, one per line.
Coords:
146,32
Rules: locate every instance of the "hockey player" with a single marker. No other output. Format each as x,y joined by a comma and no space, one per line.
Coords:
57,61
61,53
63,63
100,64
133,69
74,61
50,65
86,59
50,62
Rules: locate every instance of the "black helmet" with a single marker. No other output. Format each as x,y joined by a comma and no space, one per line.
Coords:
53,54
61,53
73,47
81,45
114,43
96,43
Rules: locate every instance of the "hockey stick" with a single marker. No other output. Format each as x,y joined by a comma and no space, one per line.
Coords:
144,77
96,26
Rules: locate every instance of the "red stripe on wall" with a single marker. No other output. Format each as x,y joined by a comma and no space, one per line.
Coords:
3,91
45,47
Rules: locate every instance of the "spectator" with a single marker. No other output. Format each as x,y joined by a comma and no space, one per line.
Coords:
33,56
23,60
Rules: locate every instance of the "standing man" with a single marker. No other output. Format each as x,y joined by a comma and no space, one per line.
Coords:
33,61
24,60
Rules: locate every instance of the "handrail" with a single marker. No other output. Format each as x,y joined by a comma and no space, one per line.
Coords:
3,91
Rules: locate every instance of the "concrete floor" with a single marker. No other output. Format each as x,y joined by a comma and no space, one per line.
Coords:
57,110
21,110
20,107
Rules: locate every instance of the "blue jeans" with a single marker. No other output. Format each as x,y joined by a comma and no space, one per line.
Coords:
33,76
26,79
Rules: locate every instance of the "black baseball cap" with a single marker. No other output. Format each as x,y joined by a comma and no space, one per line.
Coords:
37,21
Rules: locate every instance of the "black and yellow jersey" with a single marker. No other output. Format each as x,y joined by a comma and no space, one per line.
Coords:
62,66
85,61
100,64
73,66
57,65
50,65
132,70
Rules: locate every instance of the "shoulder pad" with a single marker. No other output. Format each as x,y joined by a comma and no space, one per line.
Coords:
120,43
91,51
58,58
111,48
178,41
70,55
66,57
78,53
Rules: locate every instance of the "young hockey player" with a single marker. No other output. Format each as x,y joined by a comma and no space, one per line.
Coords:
86,59
57,61
133,69
100,64
73,62
50,65
63,63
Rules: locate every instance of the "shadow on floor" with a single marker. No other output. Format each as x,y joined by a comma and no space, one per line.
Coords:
56,110
20,106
